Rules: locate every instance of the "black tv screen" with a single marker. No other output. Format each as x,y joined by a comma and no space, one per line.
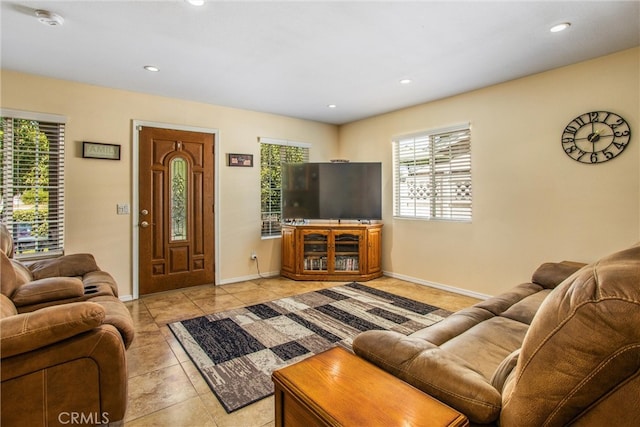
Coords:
332,191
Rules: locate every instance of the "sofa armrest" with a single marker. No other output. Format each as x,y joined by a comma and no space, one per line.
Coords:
116,314
45,290
551,274
64,266
436,372
28,331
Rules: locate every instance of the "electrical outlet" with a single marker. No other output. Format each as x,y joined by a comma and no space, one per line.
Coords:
253,255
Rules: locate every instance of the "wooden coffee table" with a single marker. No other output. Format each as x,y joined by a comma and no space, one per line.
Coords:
337,388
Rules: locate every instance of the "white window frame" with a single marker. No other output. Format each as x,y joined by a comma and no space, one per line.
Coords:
34,245
272,219
433,190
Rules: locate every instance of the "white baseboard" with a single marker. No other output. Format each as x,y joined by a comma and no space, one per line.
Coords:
125,298
250,277
455,290
452,289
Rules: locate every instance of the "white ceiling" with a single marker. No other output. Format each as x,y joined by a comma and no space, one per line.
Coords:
296,57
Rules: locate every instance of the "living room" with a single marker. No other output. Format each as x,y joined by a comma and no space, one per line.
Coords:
531,202
527,192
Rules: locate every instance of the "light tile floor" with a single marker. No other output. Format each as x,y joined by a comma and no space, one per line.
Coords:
165,387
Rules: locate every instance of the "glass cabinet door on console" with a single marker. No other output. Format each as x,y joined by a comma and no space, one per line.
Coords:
315,251
346,251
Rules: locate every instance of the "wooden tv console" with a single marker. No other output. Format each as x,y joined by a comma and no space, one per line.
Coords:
331,251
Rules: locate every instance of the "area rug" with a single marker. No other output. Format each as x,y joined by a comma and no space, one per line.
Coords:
237,350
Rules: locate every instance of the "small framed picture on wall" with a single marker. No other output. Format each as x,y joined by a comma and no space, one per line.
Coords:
98,150
244,160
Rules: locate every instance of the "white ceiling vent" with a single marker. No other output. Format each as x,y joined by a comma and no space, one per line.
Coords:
49,18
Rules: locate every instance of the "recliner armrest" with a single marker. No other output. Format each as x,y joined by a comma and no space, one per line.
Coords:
29,331
45,290
436,372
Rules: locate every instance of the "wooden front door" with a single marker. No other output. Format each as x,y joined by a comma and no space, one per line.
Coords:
176,230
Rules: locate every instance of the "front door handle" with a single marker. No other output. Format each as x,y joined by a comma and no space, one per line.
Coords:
144,224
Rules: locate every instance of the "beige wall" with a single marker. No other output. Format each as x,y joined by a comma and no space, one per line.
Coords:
531,202
93,188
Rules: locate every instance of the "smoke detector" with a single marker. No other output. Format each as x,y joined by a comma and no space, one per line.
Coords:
49,18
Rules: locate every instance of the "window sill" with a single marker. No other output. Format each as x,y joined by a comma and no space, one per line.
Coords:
277,236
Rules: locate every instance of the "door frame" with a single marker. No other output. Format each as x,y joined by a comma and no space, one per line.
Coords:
135,208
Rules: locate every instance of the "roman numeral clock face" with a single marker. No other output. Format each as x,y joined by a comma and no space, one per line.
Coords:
595,137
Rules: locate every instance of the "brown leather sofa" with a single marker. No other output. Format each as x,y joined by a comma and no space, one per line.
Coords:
552,352
64,335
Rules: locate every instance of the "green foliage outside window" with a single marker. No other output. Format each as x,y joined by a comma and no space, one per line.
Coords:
272,157
28,189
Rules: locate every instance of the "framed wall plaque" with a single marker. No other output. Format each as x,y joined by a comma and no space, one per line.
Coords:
97,150
245,160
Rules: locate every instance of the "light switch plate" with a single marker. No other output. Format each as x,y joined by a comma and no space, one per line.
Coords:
122,208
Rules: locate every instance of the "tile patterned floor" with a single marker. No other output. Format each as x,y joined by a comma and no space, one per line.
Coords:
166,389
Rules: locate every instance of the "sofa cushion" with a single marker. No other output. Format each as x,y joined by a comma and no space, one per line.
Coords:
524,310
582,347
453,325
500,303
66,266
497,337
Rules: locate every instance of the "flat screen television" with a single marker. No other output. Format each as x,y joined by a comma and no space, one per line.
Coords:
332,191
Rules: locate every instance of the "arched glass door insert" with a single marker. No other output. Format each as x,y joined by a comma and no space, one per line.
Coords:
178,198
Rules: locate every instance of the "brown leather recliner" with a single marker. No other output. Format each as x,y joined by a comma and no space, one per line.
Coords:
62,349
61,363
52,281
567,356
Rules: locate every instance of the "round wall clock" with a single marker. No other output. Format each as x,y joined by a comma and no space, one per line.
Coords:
595,137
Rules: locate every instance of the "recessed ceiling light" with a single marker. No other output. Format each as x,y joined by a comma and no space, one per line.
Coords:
406,81
560,27
49,18
195,2
332,106
151,68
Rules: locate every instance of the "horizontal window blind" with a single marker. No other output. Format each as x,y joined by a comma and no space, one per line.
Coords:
273,153
432,175
32,185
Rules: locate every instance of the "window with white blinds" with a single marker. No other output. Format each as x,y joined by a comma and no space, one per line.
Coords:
432,175
32,182
273,153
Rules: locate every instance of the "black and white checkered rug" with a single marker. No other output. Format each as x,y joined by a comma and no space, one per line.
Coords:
237,350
